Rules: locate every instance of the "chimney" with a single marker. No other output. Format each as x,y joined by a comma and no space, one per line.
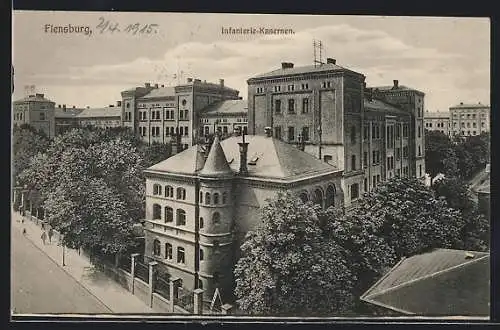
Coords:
162,86
59,106
396,83
237,131
118,103
461,103
74,107
197,80
189,80
156,85
147,85
330,60
221,82
39,95
364,84
111,106
64,107
286,65
243,156
268,131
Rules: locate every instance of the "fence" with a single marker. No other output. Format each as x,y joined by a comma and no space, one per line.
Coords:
185,299
125,263
162,287
142,271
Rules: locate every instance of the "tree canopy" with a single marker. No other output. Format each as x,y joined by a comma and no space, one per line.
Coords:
440,154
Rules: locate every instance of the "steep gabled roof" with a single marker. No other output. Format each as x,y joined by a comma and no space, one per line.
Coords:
216,164
440,282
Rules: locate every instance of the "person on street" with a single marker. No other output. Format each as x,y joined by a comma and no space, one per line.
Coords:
44,237
24,231
51,233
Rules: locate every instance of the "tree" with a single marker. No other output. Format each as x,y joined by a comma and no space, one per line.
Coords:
156,152
473,154
440,154
27,142
409,218
287,267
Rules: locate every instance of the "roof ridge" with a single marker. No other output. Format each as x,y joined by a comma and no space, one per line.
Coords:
426,276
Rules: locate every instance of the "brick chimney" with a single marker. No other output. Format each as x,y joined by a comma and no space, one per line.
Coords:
189,80
59,106
64,107
162,86
243,156
221,82
39,95
330,60
396,84
286,65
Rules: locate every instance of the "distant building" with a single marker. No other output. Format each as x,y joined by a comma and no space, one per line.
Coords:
470,119
371,134
438,121
36,111
162,114
225,117
201,202
442,282
105,117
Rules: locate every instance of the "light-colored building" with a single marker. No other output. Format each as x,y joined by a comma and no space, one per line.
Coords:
36,111
324,105
438,121
162,114
105,117
470,119
225,117
202,201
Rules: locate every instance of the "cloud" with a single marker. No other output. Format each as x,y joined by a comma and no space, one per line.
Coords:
377,54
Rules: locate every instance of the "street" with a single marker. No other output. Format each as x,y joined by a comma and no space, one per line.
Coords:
38,285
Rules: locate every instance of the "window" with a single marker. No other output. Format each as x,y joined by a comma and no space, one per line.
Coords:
353,134
365,159
168,251
291,133
305,86
169,214
291,106
277,106
374,180
398,153
419,170
201,223
169,191
419,131
156,212
291,88
482,124
156,247
216,218
419,151
181,217
366,132
305,105
468,125
277,132
201,255
128,105
216,198
468,132
474,125
181,130
201,197
354,191
353,162
398,131
42,115
305,133
181,193
463,124
374,157
156,189
207,198
224,197
365,184
277,88
374,133
180,255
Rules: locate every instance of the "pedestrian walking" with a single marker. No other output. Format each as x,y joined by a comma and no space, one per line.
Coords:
51,233
44,237
24,231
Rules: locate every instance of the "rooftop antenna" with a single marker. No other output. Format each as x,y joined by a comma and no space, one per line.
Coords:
29,89
318,50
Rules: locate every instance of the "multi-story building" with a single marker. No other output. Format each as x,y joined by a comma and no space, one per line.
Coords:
160,113
470,119
36,111
323,106
202,201
438,121
225,117
105,117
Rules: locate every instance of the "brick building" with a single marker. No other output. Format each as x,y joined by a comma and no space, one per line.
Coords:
359,130
470,119
159,113
36,111
438,121
202,201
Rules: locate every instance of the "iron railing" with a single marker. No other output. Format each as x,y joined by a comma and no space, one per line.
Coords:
125,263
142,271
162,287
185,299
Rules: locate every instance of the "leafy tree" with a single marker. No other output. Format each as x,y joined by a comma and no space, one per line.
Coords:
27,142
156,152
473,154
287,266
440,154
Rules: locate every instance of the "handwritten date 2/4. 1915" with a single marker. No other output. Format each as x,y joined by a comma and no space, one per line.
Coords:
107,26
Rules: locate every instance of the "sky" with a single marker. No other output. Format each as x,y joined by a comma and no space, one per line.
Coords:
446,58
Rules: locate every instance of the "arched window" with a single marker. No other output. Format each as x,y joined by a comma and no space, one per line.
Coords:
216,198
169,214
156,247
201,224
330,196
168,251
303,196
201,197
201,255
181,193
156,212
318,197
169,191
207,198
181,217
224,197
156,189
216,218
180,255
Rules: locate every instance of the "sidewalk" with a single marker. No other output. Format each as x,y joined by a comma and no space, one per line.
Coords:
110,293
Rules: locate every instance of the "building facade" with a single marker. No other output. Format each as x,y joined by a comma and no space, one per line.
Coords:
225,117
323,106
69,118
201,202
158,113
438,121
470,119
36,111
